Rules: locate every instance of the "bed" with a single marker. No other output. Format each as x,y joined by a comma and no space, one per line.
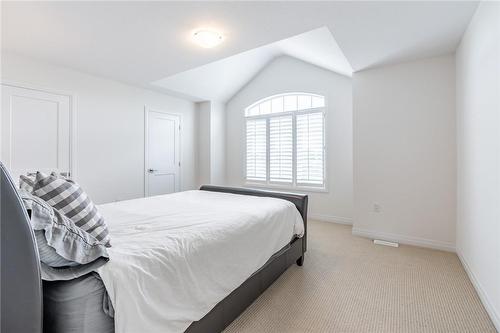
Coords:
25,307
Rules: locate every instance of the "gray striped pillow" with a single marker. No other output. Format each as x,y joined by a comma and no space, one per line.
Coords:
26,183
68,198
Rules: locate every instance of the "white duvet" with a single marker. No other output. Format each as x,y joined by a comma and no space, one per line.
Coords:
174,257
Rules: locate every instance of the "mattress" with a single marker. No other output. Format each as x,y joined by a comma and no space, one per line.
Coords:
174,257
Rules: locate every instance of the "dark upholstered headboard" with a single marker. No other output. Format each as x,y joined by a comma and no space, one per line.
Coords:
299,200
21,285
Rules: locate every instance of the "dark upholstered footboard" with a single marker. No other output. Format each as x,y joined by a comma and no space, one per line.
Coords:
299,200
233,305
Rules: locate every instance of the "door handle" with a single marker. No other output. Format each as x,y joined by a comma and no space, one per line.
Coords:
152,170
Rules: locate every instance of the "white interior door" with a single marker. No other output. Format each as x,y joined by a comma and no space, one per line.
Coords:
162,153
35,131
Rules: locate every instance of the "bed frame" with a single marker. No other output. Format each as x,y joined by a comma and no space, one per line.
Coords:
21,284
235,303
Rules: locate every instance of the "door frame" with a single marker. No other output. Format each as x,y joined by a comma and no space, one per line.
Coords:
148,109
72,117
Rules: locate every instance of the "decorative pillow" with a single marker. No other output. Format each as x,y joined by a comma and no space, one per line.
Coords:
26,183
60,242
68,197
58,175
49,255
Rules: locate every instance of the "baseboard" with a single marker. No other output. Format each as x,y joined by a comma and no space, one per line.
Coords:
331,218
492,312
416,241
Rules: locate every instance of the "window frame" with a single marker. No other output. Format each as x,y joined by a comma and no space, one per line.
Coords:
293,185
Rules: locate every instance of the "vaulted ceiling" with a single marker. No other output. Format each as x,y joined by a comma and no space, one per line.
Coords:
148,43
221,79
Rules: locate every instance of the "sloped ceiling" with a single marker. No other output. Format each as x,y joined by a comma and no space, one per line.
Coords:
144,42
221,79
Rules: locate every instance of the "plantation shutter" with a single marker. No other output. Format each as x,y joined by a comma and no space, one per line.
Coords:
310,149
256,149
280,149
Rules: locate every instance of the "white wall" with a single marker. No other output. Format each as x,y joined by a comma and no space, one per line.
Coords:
283,75
478,136
217,143
110,127
203,109
404,152
211,143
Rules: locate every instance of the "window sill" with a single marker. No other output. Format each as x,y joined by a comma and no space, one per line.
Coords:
308,189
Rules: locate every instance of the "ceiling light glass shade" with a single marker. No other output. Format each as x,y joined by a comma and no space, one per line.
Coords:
208,38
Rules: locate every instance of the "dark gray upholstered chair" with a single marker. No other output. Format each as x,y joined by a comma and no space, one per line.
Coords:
21,288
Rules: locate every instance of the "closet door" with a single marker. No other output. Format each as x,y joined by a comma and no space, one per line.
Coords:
162,150
36,131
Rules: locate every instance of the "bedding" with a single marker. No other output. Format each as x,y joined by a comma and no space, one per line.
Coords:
174,257
65,250
26,183
69,198
77,306
82,305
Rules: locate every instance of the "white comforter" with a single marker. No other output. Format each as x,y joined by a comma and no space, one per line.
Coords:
174,257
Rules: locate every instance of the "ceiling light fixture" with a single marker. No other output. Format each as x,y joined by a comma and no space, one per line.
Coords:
208,38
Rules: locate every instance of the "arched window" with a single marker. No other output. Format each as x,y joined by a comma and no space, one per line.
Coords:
285,140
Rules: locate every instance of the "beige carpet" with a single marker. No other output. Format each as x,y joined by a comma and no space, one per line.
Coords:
348,284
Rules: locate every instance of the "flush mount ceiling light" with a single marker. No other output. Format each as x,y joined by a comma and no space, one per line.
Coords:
207,38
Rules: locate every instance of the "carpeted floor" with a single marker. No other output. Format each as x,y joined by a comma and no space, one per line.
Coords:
348,284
